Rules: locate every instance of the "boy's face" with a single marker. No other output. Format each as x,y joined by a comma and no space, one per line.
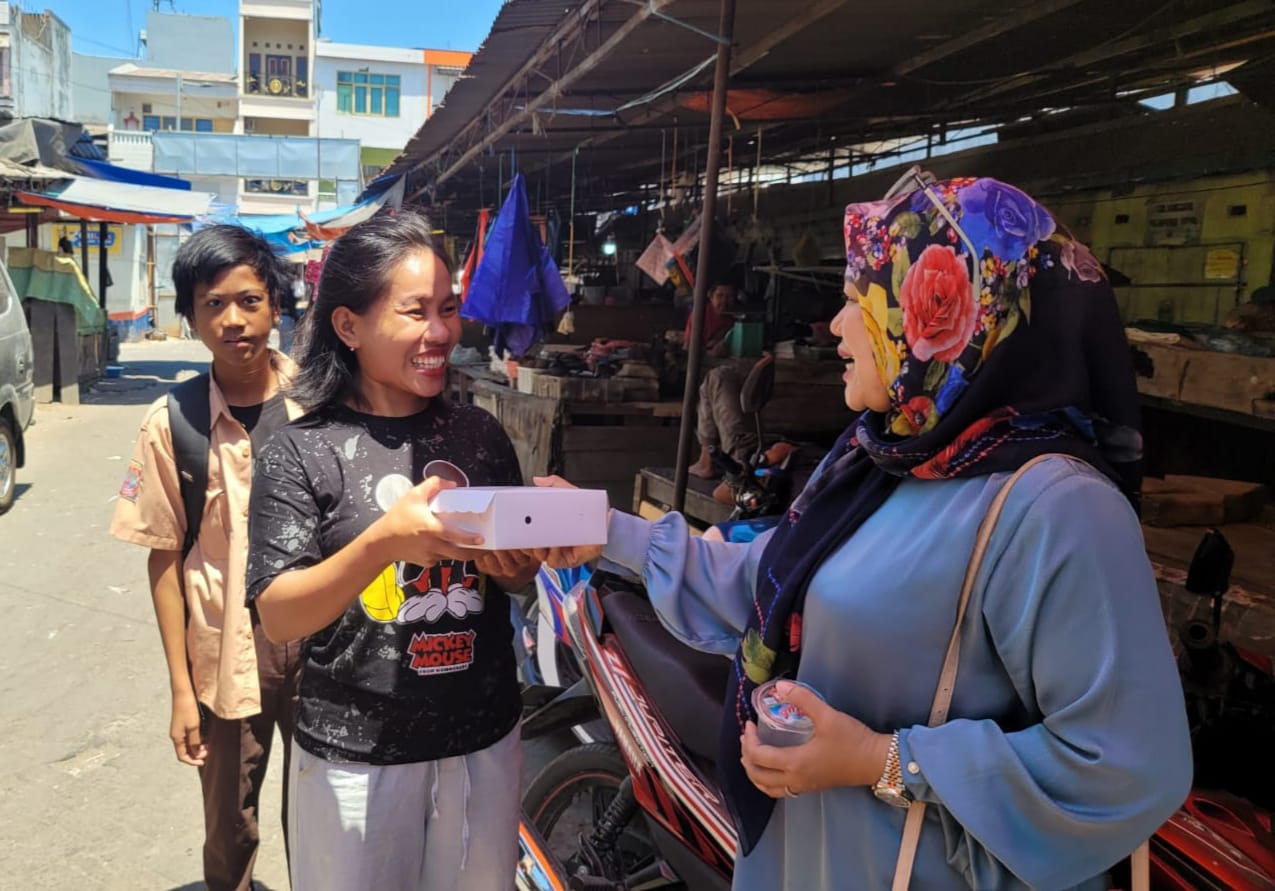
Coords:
233,317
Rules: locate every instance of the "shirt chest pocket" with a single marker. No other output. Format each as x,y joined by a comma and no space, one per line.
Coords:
214,527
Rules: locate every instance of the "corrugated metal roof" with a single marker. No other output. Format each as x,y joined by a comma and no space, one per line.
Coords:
132,69
910,67
13,173
519,29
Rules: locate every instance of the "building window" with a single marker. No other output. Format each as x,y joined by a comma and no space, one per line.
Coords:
278,75
254,72
358,92
441,80
277,186
154,122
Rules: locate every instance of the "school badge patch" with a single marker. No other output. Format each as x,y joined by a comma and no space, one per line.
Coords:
132,481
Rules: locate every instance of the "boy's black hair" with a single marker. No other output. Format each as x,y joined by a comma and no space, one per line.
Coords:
211,251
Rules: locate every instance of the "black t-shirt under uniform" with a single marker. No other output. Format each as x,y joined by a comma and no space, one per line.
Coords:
421,664
260,421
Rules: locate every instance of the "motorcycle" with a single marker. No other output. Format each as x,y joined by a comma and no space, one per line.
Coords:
761,487
1230,690
643,809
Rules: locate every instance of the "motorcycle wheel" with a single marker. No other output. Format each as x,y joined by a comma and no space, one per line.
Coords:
568,798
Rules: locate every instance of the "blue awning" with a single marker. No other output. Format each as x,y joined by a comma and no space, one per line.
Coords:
290,233
117,174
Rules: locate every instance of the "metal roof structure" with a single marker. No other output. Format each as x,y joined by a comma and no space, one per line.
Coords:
620,87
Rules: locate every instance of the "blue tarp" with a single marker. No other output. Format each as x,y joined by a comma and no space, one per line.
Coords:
517,289
287,233
114,173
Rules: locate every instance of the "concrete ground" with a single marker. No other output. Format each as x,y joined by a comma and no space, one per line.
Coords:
91,794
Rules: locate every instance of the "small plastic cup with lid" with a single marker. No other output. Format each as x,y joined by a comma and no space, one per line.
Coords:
781,723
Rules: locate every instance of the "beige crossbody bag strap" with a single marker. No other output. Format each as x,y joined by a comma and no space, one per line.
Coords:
947,683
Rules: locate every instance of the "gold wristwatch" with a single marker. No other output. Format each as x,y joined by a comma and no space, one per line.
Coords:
890,788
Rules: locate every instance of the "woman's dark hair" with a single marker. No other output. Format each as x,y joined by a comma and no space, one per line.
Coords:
356,273
211,251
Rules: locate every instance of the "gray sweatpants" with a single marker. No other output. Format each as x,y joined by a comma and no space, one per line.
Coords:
446,825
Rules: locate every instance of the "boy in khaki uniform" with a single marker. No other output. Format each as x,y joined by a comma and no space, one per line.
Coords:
230,685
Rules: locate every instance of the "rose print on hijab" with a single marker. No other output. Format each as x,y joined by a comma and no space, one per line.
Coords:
1002,219
1079,261
939,310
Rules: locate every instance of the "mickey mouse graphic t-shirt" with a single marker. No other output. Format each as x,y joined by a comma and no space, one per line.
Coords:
421,664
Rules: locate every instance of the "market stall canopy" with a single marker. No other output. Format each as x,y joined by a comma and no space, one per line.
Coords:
112,202
15,175
37,140
618,86
43,275
115,173
296,232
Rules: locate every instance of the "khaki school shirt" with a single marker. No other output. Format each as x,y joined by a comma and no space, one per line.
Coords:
150,512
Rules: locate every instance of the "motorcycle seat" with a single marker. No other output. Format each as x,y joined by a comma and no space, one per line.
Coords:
686,686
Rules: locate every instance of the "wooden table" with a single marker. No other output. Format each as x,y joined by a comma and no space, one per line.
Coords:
1208,383
653,497
595,444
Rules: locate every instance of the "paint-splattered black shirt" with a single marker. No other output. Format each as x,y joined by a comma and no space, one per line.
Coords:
421,665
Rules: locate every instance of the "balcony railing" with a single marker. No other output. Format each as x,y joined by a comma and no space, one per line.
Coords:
131,148
275,85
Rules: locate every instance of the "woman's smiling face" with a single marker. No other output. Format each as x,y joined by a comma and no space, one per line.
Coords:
402,342
864,387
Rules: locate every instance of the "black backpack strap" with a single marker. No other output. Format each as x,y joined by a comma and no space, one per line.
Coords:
190,419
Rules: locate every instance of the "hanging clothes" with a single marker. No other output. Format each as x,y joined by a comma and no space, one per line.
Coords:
475,253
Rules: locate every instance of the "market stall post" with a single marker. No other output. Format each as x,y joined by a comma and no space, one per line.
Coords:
103,232
695,349
84,248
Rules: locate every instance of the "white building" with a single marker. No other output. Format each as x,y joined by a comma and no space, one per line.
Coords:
277,97
155,100
35,64
380,95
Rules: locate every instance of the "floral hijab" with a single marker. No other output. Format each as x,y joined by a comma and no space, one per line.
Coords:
998,339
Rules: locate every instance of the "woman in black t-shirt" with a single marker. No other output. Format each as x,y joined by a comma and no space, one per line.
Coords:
407,761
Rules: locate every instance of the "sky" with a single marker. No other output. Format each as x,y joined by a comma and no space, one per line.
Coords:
109,27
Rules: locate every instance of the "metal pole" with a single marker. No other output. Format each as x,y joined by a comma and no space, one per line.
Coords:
708,219
102,235
571,226
84,248
178,128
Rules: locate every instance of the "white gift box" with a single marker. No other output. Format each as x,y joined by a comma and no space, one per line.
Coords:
515,517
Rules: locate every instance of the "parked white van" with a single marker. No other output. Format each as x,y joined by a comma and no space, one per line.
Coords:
17,388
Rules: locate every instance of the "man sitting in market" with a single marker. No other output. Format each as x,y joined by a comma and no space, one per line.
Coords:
1258,314
721,426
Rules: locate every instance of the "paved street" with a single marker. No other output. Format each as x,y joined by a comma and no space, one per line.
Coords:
91,796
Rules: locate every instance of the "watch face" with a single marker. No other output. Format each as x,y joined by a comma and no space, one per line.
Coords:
893,796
